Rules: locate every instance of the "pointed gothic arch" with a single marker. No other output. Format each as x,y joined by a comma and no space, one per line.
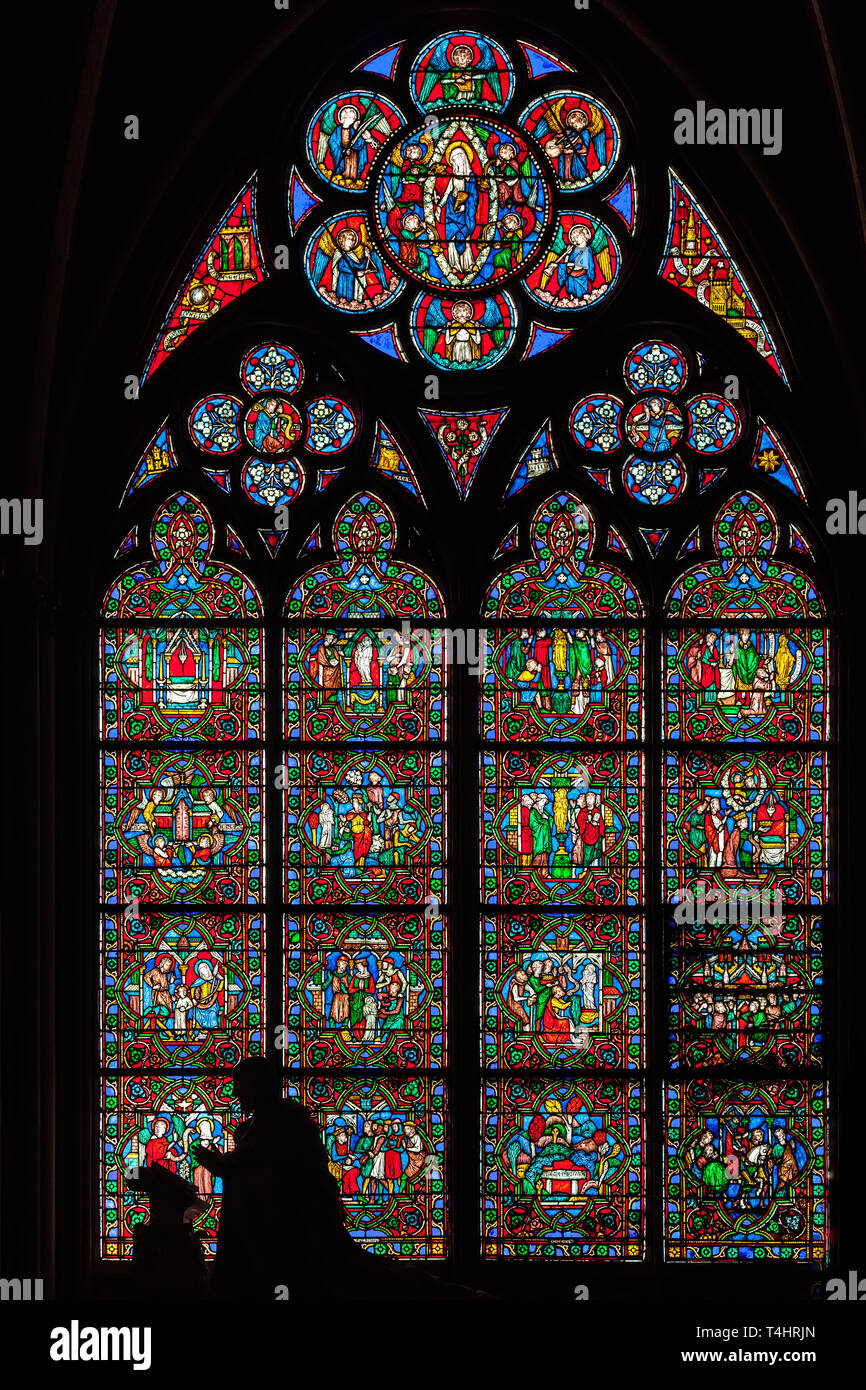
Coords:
573,748
459,550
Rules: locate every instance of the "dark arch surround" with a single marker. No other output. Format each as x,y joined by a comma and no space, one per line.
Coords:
133,221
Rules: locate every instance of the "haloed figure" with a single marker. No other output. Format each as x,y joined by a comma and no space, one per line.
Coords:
459,206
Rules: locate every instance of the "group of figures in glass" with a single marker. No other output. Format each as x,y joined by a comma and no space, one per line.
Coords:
375,1156
558,998
363,672
560,670
556,821
182,828
743,672
365,824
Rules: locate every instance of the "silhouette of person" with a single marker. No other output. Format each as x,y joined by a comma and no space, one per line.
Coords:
281,1220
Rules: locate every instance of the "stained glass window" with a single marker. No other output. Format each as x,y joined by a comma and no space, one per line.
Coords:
746,839
564,844
574,893
183,972
461,204
366,692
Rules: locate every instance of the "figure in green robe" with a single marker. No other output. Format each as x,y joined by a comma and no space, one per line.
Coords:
745,661
583,655
363,1147
714,1176
541,829
696,833
510,252
758,1020
515,660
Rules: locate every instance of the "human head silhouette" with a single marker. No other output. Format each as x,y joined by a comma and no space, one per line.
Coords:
255,1083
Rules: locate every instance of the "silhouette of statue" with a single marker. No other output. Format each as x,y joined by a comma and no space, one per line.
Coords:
282,1221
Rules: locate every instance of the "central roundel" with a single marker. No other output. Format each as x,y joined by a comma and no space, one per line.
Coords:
461,203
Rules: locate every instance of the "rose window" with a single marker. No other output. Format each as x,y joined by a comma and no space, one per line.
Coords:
461,205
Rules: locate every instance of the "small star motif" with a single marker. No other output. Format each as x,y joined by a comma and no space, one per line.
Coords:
769,460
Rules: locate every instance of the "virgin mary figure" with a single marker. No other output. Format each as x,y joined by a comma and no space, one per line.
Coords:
459,205
205,992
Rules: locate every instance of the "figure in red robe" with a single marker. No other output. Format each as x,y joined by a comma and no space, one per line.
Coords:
204,850
393,1155
702,662
157,1148
349,1179
541,651
714,832
359,988
525,830
590,826
362,833
770,829
555,1025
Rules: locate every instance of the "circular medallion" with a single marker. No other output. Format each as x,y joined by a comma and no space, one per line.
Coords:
655,366
272,482
272,424
580,267
345,135
654,424
714,424
463,334
272,367
461,204
578,135
595,423
346,270
654,481
462,68
331,425
213,424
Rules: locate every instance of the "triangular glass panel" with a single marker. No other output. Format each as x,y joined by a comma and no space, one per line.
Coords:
157,458
463,440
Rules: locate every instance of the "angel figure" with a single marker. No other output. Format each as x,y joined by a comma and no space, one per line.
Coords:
462,77
574,141
403,181
347,270
578,268
464,337
350,134
511,173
